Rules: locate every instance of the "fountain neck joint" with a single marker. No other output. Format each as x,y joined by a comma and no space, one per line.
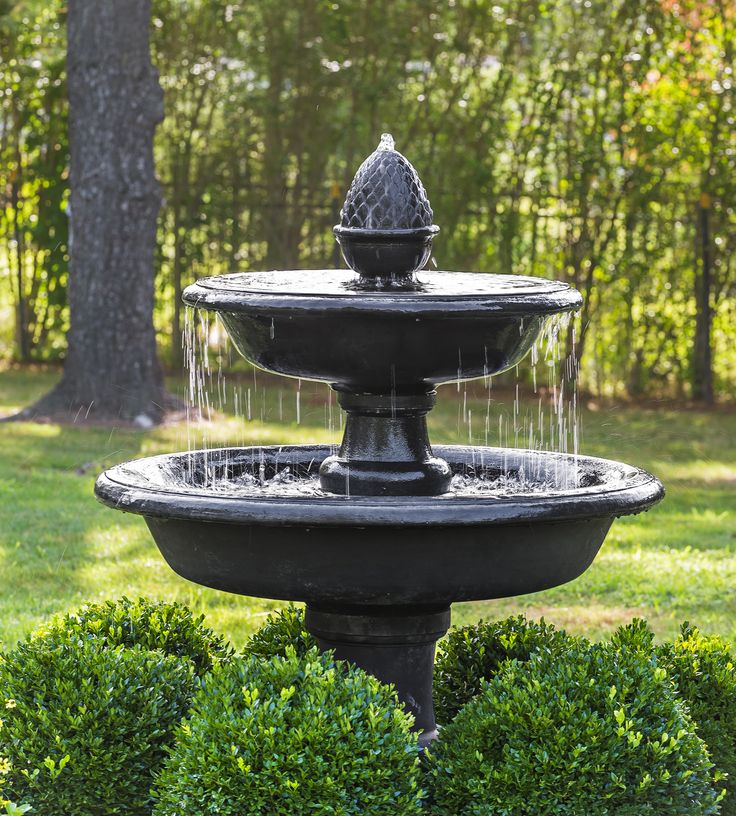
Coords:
387,404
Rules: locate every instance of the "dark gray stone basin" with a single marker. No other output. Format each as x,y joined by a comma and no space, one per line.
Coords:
378,573
328,549
318,324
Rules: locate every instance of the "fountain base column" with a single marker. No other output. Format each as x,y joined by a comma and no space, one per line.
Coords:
385,449
394,644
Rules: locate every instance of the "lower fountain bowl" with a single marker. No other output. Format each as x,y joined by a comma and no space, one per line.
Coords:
517,522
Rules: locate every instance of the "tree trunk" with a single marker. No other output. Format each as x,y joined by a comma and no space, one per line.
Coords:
115,103
702,349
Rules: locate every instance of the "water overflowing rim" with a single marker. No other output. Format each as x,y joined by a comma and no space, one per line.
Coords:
638,491
543,296
385,234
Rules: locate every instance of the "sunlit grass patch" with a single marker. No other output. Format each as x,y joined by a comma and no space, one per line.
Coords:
59,547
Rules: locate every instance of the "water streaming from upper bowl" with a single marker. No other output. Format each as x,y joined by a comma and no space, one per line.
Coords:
539,411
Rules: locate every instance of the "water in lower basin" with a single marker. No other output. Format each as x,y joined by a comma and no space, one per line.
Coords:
231,474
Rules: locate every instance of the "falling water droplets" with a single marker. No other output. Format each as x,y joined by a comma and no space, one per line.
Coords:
541,412
387,142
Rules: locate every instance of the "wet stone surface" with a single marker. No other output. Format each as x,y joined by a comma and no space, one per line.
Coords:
195,474
386,193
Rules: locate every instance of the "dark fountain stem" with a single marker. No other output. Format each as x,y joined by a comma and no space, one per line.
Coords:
385,451
394,644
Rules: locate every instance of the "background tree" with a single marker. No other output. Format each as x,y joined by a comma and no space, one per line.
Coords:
115,102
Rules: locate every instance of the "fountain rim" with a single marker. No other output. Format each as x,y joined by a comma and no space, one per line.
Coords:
639,491
385,234
549,297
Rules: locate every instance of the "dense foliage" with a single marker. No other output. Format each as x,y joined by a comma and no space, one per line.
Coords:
282,630
703,669
84,729
593,142
171,628
600,731
471,655
537,723
291,736
33,178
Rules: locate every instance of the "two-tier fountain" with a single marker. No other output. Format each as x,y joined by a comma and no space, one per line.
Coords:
374,538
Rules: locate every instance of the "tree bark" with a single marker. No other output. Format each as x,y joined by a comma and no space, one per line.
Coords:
115,103
703,349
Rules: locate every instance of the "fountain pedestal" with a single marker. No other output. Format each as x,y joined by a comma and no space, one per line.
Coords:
385,450
394,644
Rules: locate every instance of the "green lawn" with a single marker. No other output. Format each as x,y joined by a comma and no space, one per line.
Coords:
59,547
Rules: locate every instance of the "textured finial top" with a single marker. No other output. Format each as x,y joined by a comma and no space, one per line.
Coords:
385,230
387,142
386,193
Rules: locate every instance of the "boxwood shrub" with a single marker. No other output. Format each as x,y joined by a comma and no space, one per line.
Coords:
470,655
291,736
600,732
704,672
84,728
170,628
703,668
6,806
282,630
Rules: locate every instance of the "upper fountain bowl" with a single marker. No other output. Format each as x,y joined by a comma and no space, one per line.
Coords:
321,325
386,337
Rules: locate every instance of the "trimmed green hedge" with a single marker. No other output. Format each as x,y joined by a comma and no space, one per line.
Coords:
291,736
84,728
171,628
703,669
141,634
471,655
282,631
538,723
598,732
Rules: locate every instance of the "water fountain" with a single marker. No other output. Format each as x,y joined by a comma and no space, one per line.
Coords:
380,537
